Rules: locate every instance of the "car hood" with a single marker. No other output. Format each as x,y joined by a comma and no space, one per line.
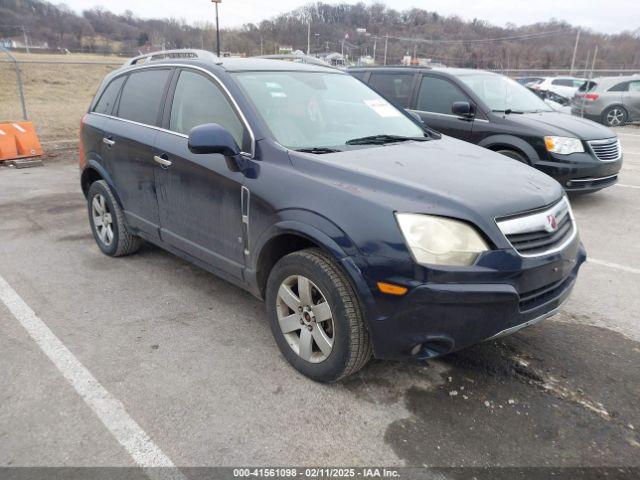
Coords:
445,177
555,123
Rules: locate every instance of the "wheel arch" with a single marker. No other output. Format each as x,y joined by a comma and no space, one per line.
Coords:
509,142
289,236
93,172
620,105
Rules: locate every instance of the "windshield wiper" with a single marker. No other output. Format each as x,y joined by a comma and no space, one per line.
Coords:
318,150
508,111
382,139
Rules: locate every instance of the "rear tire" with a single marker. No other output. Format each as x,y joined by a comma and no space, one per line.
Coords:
615,116
513,154
320,329
107,222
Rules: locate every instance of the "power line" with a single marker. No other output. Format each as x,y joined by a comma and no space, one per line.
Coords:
484,40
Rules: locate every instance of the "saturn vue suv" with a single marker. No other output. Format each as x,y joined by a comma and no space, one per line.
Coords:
498,113
365,233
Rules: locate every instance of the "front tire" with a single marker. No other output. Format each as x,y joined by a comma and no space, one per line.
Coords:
316,317
513,154
107,222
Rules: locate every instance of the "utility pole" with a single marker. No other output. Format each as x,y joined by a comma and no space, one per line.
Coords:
216,2
386,44
261,46
26,38
593,65
415,52
375,43
586,65
575,50
309,38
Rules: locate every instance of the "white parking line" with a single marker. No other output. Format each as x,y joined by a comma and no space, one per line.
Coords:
615,266
627,186
108,409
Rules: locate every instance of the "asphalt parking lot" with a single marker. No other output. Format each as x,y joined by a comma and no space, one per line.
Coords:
148,360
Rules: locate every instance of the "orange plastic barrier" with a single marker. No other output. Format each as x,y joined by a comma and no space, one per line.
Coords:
18,140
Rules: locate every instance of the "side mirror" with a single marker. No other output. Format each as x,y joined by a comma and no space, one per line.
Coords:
212,138
463,109
416,117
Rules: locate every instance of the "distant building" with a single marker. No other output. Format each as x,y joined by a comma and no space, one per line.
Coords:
11,43
17,43
333,58
421,62
366,60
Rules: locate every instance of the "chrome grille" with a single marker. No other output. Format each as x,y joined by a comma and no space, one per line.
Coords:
607,150
542,232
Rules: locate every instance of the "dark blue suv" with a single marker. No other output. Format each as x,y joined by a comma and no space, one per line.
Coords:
366,233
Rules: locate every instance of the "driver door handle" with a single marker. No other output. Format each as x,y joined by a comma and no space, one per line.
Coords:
108,141
164,162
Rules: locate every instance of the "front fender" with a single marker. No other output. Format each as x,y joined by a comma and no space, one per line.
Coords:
327,236
510,140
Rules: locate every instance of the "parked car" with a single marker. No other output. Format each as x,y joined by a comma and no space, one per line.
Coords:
529,81
565,86
364,232
497,113
613,101
555,101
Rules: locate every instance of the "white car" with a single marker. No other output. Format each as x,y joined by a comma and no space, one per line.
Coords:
565,86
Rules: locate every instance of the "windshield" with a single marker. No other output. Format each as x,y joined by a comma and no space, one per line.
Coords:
502,94
316,109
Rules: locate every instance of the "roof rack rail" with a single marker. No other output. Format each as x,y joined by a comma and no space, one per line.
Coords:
298,57
169,54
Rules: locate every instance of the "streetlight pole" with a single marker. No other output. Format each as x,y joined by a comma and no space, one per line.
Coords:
216,2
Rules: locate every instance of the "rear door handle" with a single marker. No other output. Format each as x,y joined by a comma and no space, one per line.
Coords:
164,162
108,142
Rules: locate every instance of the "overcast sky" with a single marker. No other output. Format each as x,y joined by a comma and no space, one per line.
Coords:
608,16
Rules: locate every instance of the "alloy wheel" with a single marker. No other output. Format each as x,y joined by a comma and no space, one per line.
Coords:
102,219
305,318
615,117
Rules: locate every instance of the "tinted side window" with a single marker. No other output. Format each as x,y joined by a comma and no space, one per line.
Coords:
438,95
564,82
109,96
197,101
359,75
142,96
621,87
396,87
634,86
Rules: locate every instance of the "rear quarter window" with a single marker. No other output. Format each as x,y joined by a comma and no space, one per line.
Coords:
109,96
620,87
562,82
142,96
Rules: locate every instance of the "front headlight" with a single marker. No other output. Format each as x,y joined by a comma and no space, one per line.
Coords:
563,145
439,240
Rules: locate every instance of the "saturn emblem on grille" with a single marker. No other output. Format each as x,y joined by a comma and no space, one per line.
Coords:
552,223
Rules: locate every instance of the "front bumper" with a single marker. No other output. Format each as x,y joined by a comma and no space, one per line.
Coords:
581,172
436,318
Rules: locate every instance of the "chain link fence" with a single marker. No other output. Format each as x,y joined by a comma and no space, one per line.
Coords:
58,90
57,93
